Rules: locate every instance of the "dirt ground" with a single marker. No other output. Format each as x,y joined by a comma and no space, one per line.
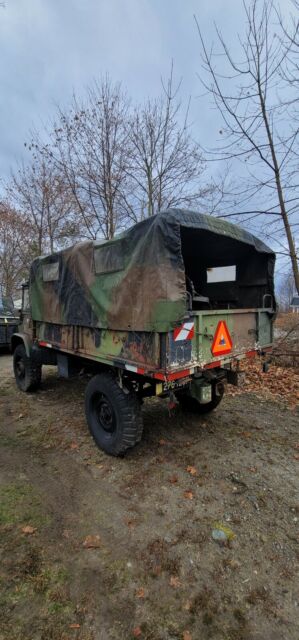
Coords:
153,571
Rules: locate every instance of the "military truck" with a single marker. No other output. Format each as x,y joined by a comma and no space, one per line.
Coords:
9,319
167,308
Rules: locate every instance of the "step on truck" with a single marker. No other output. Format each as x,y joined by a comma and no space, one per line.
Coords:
168,308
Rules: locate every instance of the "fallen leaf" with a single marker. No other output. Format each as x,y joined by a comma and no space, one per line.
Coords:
137,632
74,445
140,593
187,635
234,564
162,442
191,470
130,522
174,582
160,459
92,542
173,479
75,625
28,530
187,605
66,533
157,569
189,495
296,456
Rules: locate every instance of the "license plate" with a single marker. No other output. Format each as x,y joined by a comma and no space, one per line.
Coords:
175,384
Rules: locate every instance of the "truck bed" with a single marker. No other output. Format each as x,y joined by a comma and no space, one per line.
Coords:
161,355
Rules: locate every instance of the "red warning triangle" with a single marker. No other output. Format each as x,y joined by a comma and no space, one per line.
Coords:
222,342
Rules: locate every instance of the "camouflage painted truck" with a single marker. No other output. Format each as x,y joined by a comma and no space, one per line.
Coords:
168,308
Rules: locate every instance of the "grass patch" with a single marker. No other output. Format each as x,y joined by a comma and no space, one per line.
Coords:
59,608
19,505
41,594
48,579
8,441
48,582
5,391
51,583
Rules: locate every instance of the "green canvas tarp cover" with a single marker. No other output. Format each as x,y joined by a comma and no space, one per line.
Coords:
137,281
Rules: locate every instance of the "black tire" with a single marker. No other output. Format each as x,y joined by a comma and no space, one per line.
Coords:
27,370
193,406
113,415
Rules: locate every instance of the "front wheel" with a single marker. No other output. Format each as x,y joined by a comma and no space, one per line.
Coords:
27,369
113,414
188,403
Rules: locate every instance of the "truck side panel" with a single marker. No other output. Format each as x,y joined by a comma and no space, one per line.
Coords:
136,348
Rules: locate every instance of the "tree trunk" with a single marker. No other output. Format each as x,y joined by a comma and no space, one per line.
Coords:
283,211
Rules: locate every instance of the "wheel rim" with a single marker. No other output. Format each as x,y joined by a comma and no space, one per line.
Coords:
104,413
20,368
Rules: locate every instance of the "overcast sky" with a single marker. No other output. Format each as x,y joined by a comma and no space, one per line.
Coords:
48,48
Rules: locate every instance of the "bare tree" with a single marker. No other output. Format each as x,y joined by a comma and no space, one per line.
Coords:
286,290
16,248
290,41
166,165
38,191
89,150
258,131
104,165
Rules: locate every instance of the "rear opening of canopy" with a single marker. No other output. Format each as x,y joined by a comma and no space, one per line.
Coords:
224,273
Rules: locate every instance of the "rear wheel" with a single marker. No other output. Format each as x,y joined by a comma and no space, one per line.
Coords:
27,369
113,414
188,403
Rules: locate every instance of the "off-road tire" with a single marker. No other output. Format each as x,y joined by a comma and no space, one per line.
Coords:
191,405
27,370
113,414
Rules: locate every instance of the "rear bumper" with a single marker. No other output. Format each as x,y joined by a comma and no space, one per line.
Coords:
168,376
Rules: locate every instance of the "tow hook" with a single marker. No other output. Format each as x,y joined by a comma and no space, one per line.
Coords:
172,402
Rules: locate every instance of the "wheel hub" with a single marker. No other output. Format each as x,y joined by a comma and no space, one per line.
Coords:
20,368
105,414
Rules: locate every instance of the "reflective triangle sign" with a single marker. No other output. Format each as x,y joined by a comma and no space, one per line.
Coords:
222,342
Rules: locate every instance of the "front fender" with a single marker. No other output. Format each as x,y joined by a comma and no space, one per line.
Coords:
21,338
